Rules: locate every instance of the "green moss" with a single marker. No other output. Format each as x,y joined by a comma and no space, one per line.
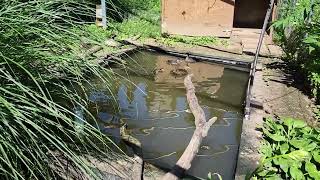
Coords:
191,41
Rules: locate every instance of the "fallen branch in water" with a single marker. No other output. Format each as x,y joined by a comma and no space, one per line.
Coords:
201,131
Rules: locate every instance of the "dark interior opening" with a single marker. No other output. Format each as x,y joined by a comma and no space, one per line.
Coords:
250,13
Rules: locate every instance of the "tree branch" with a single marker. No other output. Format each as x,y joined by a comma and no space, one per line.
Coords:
201,131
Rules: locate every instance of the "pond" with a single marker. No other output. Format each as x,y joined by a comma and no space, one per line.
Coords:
152,101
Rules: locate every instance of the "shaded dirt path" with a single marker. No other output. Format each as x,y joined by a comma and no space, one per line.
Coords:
282,95
285,92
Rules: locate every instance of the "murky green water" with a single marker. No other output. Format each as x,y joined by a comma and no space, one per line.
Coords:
153,104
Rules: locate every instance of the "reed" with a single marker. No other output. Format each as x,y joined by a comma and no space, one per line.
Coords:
40,59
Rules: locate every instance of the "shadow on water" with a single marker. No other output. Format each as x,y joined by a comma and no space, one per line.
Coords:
152,102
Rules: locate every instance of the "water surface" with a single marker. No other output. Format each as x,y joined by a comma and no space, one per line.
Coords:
153,103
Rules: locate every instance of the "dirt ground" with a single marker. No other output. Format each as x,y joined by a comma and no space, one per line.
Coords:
286,94
282,94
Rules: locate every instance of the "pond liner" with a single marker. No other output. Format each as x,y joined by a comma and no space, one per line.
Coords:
201,57
197,56
228,63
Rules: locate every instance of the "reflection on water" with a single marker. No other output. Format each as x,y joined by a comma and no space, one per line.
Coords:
154,105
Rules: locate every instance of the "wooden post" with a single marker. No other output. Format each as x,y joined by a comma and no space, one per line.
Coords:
104,13
201,131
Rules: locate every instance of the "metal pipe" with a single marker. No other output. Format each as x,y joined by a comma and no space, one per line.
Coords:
254,64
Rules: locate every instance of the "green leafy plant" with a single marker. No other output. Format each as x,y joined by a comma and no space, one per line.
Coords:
136,26
290,150
298,32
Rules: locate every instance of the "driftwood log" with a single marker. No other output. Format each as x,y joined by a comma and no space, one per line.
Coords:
201,131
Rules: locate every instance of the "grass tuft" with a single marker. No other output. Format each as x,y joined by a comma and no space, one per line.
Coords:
41,47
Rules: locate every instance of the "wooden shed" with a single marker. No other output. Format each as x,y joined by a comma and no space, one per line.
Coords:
211,17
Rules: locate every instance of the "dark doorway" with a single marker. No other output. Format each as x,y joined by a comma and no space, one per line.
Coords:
250,13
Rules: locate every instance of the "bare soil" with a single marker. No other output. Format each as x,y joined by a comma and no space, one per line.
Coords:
286,94
283,94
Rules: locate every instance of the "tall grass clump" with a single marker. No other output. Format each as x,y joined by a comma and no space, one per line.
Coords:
41,57
298,31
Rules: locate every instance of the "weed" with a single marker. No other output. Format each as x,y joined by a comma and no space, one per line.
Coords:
137,27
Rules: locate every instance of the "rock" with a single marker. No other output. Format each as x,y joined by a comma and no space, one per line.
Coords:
267,109
151,172
174,62
259,67
179,72
275,51
190,60
205,147
156,71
